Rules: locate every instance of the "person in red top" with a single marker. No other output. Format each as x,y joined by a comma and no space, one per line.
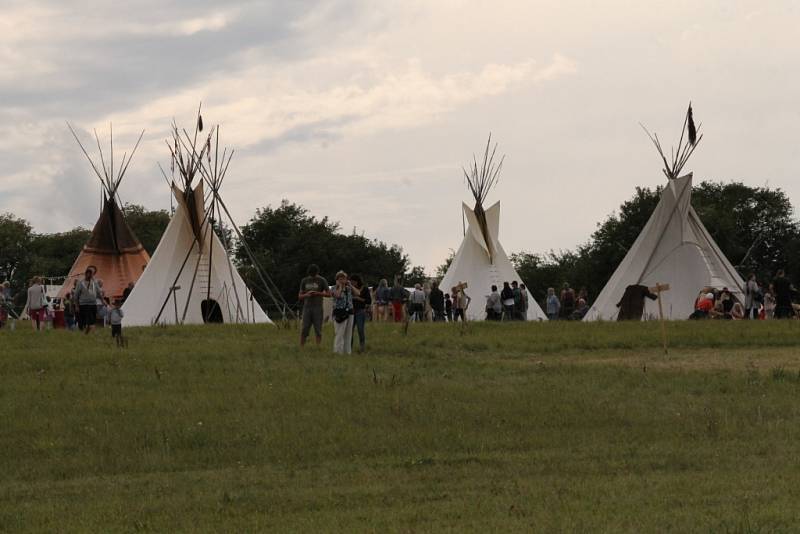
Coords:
704,307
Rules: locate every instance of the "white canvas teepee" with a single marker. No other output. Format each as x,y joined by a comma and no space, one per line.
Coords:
481,261
482,264
199,270
673,248
190,278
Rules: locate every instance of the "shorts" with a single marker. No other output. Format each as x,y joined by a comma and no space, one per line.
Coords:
312,316
37,316
116,330
88,313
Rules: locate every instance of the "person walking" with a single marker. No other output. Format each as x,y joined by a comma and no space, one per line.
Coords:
342,294
86,294
362,299
494,306
417,299
313,288
437,302
751,297
37,305
552,304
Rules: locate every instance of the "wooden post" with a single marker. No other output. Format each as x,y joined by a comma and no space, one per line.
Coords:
658,289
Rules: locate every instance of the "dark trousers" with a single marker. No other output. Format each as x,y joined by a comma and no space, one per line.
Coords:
508,313
359,323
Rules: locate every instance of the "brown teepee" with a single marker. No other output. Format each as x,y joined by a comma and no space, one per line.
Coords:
113,250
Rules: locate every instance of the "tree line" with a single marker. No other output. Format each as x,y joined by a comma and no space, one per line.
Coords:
753,226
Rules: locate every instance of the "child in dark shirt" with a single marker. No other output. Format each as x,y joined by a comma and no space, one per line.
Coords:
448,307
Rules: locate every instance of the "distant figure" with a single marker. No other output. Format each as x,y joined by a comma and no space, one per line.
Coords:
769,303
494,306
398,296
704,307
342,294
552,304
37,304
115,315
382,299
86,293
5,302
580,310
567,301
460,303
361,302
417,300
507,297
69,311
127,291
448,307
313,288
783,296
524,302
631,305
436,299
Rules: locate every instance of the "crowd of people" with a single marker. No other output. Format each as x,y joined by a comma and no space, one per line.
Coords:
761,301
83,308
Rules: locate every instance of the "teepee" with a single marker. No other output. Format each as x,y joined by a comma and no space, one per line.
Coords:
191,278
113,250
481,261
673,248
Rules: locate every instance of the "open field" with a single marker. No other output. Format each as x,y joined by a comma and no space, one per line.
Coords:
522,427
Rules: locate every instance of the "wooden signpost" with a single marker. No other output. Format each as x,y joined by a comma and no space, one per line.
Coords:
658,289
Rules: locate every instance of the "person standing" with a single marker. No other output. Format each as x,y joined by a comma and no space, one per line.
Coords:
567,301
552,304
115,315
517,300
5,303
525,302
398,296
382,299
69,311
362,299
342,294
127,291
437,302
86,294
37,304
507,297
750,297
769,303
417,299
494,307
313,288
461,302
448,307
783,296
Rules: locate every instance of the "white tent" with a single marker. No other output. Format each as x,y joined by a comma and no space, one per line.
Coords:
186,274
673,248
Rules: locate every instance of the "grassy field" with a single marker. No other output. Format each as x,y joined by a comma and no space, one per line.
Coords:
521,427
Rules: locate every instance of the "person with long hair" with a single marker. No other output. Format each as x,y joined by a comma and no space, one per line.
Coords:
86,293
361,301
342,294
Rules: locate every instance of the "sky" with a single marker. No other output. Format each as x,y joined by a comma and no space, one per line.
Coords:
366,111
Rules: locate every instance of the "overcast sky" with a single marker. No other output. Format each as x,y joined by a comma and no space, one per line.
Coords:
365,111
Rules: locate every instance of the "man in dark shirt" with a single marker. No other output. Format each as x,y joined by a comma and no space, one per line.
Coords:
783,296
312,290
437,302
631,305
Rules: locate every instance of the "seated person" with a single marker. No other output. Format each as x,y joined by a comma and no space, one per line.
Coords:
704,307
580,310
737,311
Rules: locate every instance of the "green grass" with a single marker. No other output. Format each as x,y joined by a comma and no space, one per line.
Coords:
523,427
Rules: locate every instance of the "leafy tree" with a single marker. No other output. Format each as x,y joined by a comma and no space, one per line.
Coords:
54,254
15,236
286,239
415,276
147,225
